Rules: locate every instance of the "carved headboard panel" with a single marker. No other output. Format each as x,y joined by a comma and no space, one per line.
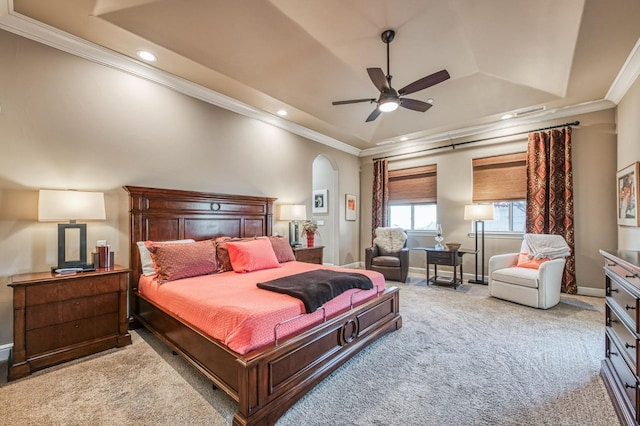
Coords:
169,214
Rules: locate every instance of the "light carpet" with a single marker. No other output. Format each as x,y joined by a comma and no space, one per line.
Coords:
461,358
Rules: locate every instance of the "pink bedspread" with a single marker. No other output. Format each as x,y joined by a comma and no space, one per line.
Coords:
231,309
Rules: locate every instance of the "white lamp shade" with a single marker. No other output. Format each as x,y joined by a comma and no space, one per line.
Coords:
478,212
293,212
70,205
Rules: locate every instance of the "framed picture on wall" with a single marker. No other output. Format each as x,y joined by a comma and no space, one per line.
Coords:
627,195
350,207
320,201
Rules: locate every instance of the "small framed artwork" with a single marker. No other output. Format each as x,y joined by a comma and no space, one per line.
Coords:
320,201
627,195
350,206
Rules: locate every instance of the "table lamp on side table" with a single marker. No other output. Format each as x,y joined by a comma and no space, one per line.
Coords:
61,206
479,213
294,213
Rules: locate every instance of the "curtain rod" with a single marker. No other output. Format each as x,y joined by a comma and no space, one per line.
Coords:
453,145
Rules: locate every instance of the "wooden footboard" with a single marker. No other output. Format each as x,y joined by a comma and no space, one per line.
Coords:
266,383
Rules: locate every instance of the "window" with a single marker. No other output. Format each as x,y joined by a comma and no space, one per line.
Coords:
508,216
416,217
412,198
502,180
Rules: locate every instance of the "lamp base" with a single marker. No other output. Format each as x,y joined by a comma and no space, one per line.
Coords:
77,268
478,282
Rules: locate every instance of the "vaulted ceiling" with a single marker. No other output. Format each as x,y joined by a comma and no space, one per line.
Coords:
502,55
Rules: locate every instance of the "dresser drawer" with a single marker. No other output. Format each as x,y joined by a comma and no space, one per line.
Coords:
627,339
49,338
71,289
626,302
627,379
443,258
625,274
47,314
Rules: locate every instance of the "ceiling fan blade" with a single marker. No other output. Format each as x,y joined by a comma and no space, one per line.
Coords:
424,82
379,79
352,101
415,104
376,112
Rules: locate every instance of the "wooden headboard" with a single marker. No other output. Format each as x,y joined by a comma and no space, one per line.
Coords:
169,214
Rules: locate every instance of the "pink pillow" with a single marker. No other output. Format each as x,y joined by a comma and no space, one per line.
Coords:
524,261
282,249
176,261
253,255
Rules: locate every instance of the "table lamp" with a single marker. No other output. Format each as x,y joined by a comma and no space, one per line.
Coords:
479,213
294,213
58,206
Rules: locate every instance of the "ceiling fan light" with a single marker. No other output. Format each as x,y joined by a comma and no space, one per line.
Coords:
388,106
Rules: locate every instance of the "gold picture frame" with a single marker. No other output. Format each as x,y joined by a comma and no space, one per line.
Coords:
627,182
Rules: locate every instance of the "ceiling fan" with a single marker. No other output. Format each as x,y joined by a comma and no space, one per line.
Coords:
389,98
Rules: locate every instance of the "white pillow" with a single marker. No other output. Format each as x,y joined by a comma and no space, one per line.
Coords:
146,262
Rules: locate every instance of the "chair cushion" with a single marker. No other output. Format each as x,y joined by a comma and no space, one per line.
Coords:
386,261
525,277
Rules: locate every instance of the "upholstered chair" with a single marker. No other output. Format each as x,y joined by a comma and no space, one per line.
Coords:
389,254
532,277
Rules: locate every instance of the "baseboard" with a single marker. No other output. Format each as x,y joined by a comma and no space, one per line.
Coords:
590,291
355,265
5,351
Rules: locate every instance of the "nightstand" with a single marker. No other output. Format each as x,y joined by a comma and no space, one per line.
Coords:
308,254
57,318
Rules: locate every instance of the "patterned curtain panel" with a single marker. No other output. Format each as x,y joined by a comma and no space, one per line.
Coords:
380,195
550,192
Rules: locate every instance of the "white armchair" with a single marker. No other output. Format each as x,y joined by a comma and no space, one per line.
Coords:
538,288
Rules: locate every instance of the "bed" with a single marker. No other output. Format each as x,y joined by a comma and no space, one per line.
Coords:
268,380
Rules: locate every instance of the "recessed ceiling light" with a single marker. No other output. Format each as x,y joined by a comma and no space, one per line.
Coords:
430,101
146,55
282,112
506,116
404,138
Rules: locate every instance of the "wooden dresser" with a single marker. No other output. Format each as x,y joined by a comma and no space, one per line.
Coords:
309,254
57,318
620,367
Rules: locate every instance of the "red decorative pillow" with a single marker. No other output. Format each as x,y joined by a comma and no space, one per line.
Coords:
176,261
282,249
247,256
524,261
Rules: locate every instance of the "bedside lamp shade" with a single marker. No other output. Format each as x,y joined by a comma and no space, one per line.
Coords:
62,206
293,213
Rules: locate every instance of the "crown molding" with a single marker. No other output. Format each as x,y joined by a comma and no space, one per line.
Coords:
626,76
45,34
483,129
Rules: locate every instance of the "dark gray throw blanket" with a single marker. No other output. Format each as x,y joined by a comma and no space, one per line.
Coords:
315,288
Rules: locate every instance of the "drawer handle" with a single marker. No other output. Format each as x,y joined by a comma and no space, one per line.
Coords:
613,353
613,290
628,307
77,325
76,303
609,321
626,385
626,345
611,264
631,276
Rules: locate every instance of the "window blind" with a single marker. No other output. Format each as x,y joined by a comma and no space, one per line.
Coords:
413,185
500,178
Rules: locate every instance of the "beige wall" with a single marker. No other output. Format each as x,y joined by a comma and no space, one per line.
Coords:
69,123
628,152
594,158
